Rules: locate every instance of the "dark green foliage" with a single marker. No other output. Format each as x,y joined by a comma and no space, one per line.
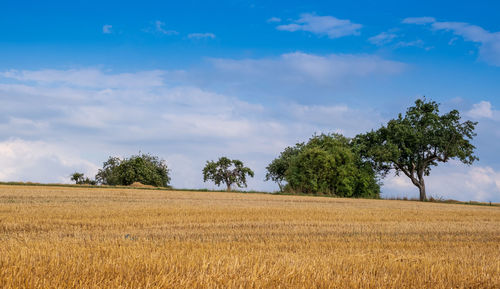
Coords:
414,143
228,172
146,169
109,174
276,170
325,165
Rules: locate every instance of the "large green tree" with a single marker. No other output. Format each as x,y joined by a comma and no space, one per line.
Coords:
326,164
228,172
143,168
414,143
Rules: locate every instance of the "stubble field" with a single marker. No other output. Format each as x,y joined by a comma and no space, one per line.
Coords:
61,237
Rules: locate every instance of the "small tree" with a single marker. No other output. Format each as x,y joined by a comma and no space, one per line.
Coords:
77,178
228,172
414,143
80,179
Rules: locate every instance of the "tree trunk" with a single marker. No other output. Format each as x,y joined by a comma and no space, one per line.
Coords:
421,184
421,187
228,187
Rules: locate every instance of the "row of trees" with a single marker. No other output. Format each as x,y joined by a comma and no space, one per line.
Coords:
151,170
412,144
330,164
143,168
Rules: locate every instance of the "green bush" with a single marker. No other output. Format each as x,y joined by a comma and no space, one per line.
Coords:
144,168
326,165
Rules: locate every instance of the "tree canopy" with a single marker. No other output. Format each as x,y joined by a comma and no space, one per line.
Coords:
144,168
414,143
276,170
228,172
326,164
77,177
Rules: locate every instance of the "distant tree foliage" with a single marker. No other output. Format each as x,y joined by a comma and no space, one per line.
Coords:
77,178
414,143
326,164
228,172
143,168
80,179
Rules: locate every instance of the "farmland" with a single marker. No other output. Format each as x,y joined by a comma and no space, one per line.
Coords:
71,237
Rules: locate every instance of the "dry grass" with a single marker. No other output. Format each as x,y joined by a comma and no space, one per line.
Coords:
56,237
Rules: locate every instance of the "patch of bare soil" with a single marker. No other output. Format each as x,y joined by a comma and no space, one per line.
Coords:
141,185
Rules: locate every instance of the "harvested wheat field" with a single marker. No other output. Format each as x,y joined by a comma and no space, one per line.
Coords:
64,237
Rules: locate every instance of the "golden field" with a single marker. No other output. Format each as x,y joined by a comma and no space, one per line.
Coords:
65,237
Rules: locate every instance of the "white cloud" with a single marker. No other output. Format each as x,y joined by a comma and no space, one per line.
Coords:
334,118
302,68
201,35
39,161
489,50
87,78
24,126
481,110
291,76
382,38
385,38
209,126
469,32
490,41
322,25
274,20
107,29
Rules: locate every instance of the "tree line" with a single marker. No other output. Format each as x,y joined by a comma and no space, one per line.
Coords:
330,164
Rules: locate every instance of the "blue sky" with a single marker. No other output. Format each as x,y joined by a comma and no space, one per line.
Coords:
82,80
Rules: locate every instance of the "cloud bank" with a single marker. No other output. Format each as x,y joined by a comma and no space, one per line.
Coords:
96,113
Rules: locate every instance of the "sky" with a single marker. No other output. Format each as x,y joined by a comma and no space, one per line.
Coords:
190,81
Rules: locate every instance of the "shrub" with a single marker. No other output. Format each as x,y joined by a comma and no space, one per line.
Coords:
144,168
325,165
